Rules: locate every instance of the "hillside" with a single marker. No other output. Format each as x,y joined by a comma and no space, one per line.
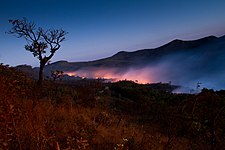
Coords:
92,115
183,63
145,56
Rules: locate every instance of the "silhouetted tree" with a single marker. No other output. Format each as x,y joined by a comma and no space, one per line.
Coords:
39,41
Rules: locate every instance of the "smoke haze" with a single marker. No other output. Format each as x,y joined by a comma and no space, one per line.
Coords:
185,63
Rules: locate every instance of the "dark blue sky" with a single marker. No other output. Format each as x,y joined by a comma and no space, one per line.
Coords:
100,28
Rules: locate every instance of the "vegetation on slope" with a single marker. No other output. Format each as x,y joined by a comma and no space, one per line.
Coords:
94,115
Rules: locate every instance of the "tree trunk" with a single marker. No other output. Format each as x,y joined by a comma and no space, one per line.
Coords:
41,75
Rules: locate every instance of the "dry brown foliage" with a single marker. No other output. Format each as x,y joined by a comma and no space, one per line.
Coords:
85,116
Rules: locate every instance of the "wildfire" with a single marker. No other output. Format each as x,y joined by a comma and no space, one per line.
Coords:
70,73
138,76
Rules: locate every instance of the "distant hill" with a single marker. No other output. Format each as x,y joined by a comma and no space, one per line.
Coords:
146,56
178,61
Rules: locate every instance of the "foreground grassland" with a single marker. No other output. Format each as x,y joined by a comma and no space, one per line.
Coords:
95,115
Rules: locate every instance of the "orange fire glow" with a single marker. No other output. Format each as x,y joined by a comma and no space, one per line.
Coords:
70,73
138,76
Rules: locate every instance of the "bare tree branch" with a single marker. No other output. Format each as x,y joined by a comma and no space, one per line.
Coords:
38,39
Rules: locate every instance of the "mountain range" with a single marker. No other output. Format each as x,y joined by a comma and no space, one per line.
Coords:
140,57
181,62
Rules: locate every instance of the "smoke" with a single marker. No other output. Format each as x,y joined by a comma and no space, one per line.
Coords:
189,71
184,69
204,65
192,69
141,75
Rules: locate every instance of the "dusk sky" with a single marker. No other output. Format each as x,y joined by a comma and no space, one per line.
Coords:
101,28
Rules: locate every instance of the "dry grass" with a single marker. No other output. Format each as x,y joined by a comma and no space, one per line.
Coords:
46,125
59,117
49,126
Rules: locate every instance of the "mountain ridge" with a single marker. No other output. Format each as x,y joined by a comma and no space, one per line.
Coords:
134,58
181,62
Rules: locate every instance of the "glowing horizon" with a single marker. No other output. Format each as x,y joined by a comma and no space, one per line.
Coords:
111,75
